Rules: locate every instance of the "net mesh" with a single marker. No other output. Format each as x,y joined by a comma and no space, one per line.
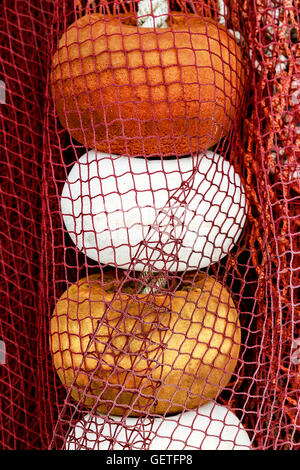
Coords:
126,340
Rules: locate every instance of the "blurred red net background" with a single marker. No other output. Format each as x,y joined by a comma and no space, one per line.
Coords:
39,261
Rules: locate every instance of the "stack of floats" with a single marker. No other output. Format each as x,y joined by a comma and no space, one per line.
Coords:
155,354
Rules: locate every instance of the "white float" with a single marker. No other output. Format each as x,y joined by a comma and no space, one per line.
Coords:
210,427
173,214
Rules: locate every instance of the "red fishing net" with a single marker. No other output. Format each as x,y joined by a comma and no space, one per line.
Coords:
149,229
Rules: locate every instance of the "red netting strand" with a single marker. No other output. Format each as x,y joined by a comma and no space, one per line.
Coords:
149,226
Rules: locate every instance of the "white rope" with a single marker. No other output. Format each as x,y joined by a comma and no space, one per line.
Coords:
223,12
153,13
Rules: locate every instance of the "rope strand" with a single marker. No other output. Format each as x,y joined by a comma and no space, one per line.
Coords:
153,13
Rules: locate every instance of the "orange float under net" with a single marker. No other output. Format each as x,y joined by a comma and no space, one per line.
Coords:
149,225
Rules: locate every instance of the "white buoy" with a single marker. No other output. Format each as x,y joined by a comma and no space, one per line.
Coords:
158,214
210,427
